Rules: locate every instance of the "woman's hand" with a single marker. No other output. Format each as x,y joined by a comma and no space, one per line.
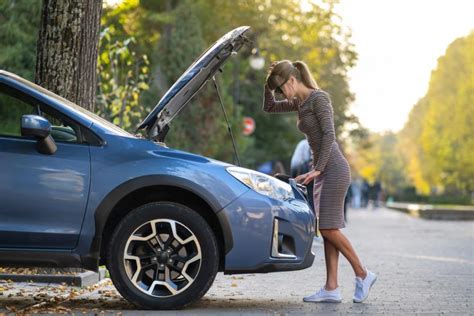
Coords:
270,68
306,178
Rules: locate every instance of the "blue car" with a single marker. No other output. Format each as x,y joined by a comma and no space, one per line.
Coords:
77,191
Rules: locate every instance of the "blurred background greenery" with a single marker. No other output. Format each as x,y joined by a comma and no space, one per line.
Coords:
145,46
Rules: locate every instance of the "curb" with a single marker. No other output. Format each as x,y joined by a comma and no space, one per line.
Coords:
438,212
83,279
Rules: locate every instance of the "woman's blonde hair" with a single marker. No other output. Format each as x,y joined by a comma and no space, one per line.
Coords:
282,70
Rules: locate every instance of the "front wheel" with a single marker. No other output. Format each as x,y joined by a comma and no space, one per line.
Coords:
163,255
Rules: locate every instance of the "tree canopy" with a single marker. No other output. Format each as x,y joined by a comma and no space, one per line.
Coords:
433,153
174,33
439,134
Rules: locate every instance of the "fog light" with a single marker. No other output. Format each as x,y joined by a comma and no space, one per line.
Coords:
283,246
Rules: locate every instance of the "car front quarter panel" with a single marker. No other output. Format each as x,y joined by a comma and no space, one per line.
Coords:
139,163
252,217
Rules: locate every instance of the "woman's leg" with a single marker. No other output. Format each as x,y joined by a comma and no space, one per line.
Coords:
342,244
331,255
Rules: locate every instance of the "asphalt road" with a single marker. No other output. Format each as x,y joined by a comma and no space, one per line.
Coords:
424,267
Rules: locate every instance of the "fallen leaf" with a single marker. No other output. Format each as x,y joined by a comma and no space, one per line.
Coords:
10,308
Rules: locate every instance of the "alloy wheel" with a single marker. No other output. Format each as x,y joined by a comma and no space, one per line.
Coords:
162,257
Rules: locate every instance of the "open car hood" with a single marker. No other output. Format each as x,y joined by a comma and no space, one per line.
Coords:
191,81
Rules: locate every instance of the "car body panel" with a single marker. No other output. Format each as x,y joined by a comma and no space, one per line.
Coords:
189,83
252,216
44,198
96,176
125,165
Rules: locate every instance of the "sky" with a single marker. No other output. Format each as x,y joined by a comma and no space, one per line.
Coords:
398,43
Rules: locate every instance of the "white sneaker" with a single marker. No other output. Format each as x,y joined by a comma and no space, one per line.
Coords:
362,287
324,296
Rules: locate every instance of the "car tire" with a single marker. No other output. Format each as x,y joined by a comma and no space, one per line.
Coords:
153,271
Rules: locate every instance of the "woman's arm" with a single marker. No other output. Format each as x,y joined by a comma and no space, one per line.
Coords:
323,109
272,105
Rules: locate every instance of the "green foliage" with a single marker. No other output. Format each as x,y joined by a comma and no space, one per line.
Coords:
431,159
182,45
173,33
283,30
201,127
122,77
380,160
19,22
440,133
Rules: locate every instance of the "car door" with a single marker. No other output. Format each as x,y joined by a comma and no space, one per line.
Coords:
42,197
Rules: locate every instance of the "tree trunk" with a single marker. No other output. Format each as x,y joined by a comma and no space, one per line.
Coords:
66,60
67,49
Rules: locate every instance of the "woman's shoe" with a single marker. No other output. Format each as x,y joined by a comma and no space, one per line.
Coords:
324,296
362,288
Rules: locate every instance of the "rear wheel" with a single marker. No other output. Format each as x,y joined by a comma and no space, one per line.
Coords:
163,255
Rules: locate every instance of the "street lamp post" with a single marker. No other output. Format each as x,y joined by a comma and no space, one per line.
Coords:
257,62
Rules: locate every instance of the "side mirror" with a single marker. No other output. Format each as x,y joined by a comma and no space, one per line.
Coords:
39,128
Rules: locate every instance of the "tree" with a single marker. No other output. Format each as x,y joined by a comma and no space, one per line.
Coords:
281,29
412,153
430,159
170,31
122,76
448,133
439,132
18,36
67,49
381,161
201,127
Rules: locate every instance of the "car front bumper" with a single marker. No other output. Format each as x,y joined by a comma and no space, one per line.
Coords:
269,235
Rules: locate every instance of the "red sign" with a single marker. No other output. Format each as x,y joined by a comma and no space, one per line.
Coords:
248,126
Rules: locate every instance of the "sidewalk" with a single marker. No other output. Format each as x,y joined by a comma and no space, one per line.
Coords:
443,212
424,267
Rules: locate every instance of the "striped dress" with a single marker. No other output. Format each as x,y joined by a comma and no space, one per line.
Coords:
316,121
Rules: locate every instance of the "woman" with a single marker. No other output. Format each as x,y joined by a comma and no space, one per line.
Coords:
330,172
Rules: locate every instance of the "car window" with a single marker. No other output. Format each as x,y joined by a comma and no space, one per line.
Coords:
61,131
11,110
14,104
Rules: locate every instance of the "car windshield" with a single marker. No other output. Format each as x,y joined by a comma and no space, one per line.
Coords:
96,118
91,116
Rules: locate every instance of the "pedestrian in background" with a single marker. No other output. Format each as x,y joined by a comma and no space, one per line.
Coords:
301,159
271,167
356,188
347,202
330,171
376,193
365,193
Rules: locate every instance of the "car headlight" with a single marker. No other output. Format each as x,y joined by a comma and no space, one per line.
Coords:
263,183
